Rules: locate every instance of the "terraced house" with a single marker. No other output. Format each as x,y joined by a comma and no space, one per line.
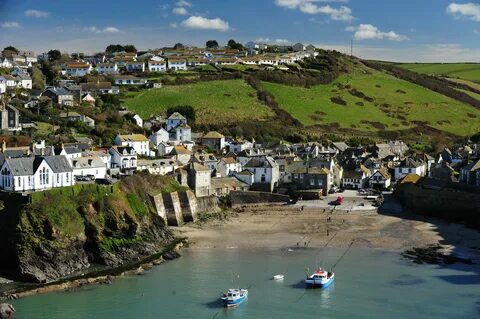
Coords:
77,69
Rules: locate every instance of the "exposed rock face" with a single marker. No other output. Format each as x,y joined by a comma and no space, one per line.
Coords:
61,233
7,311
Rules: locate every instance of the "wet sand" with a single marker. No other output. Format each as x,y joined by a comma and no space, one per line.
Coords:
290,226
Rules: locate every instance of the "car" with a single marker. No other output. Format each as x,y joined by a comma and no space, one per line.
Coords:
104,181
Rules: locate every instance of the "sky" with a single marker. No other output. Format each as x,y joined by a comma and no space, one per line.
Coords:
394,30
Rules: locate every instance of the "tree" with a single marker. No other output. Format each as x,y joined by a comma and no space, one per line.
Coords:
130,48
178,46
38,79
9,51
212,44
232,44
112,48
54,55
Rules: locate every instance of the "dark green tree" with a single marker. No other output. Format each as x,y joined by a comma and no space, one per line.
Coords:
54,55
178,46
212,44
130,48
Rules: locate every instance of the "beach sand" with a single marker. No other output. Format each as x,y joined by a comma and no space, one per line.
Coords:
290,226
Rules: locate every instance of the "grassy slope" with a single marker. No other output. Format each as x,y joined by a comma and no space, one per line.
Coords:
220,101
313,106
465,71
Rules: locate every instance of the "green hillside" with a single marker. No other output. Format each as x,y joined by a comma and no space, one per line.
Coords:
465,71
220,102
375,101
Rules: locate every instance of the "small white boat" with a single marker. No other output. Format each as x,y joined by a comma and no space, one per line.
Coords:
278,277
234,297
320,279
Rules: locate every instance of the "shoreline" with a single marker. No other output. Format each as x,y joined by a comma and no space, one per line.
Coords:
313,227
289,227
104,276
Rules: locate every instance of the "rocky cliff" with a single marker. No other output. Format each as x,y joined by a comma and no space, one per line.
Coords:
49,235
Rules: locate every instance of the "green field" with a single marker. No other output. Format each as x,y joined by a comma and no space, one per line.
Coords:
395,104
465,71
215,102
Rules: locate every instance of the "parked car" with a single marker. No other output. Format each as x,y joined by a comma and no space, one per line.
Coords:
104,181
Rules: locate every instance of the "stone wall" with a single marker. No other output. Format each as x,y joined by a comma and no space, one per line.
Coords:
255,198
452,204
179,207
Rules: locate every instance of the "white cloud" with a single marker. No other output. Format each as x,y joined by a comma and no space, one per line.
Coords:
342,13
371,32
104,30
469,10
10,25
274,41
197,22
183,3
173,25
180,10
476,31
37,13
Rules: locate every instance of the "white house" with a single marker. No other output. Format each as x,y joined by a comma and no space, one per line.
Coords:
175,120
157,66
129,80
266,172
35,173
381,179
239,145
23,81
90,165
177,64
409,166
356,179
160,136
228,166
9,81
124,158
181,133
158,167
138,120
78,69
139,142
199,179
107,68
3,85
164,148
6,63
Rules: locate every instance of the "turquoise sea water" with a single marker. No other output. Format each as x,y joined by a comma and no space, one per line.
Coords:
369,284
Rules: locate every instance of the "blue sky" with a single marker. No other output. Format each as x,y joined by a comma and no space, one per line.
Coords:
400,30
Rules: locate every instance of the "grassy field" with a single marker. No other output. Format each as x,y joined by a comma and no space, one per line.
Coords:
390,104
465,71
216,102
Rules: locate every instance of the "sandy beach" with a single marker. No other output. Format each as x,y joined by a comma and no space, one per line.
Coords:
318,226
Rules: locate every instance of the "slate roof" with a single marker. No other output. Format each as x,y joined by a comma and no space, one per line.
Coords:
58,164
87,162
176,116
261,162
24,166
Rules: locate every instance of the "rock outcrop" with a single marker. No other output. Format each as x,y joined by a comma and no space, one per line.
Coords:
7,311
60,233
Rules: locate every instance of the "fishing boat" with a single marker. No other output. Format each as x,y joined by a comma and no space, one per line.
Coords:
234,297
320,279
278,277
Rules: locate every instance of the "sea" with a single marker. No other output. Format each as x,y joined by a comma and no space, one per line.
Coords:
369,284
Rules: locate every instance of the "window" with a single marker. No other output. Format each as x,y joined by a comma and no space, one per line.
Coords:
58,178
44,176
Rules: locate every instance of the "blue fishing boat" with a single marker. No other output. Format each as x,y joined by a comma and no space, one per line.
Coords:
320,279
234,297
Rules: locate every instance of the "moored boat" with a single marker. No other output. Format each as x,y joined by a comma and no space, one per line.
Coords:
278,277
234,297
320,279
